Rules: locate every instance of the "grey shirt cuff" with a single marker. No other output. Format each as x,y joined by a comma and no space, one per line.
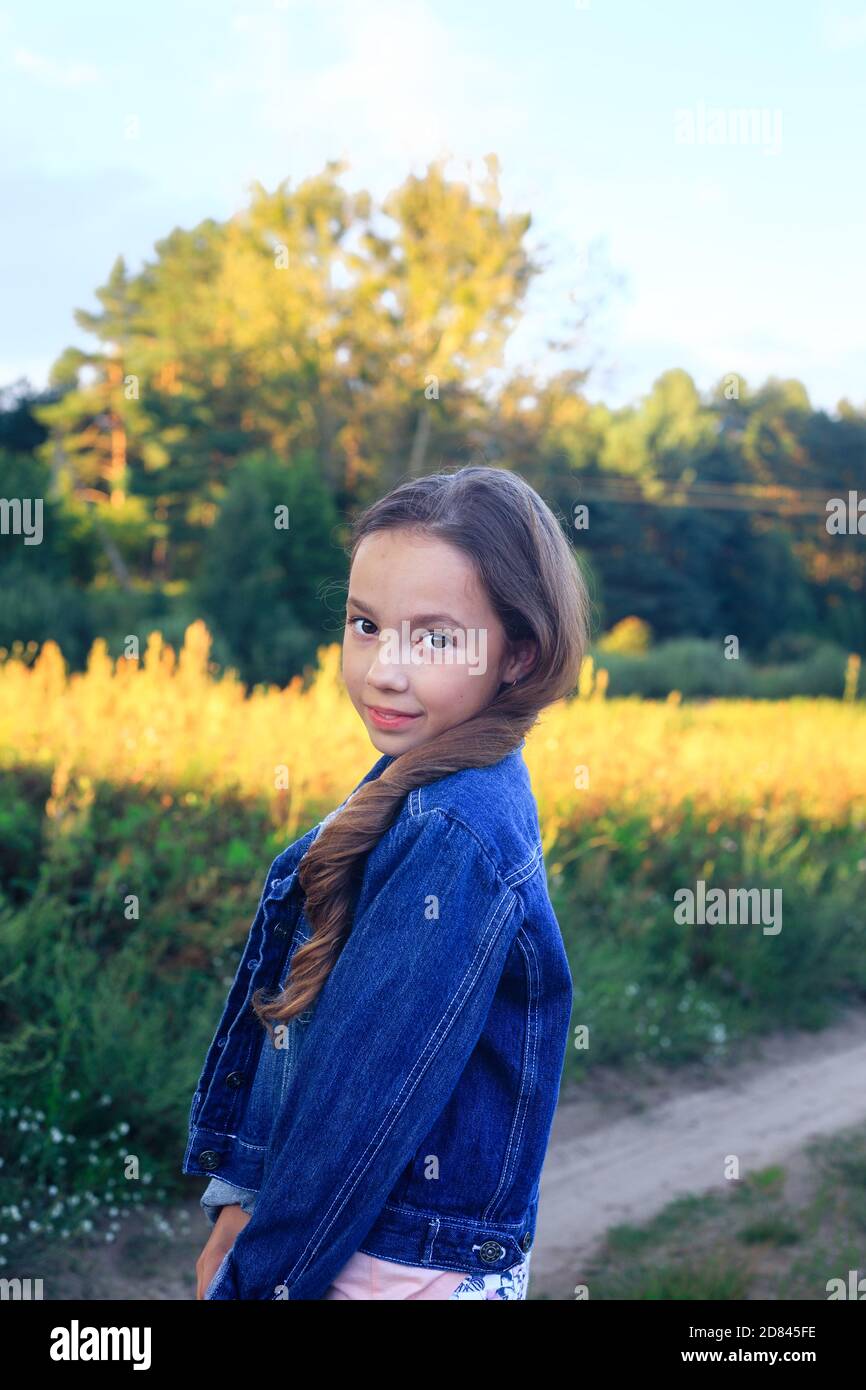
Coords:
220,1193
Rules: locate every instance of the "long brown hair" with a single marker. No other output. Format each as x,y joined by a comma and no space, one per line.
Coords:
537,590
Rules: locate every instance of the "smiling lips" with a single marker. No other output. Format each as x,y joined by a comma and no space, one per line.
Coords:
389,718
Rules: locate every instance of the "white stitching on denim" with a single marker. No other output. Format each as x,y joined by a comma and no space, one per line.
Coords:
222,1134
537,853
527,1075
527,869
246,1144
430,1241
499,1227
413,1264
497,911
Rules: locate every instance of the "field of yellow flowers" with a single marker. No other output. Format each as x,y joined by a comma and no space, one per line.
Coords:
167,723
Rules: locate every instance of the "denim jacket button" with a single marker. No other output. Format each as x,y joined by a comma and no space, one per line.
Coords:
491,1251
526,1243
210,1159
235,1079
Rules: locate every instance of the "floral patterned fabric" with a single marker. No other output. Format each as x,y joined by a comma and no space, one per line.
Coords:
507,1283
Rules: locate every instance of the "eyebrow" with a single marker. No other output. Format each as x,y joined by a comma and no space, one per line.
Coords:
418,618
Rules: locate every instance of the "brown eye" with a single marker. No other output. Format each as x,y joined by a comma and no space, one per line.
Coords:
442,644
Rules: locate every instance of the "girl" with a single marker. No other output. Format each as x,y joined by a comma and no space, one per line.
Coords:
384,1139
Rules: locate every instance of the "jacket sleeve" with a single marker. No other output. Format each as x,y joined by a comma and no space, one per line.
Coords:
219,1193
392,1029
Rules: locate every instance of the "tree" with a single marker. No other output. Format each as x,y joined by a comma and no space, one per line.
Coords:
268,561
300,323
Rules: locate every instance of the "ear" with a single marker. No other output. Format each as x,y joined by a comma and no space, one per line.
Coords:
522,659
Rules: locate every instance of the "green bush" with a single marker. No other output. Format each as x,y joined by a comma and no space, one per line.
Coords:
105,1016
698,669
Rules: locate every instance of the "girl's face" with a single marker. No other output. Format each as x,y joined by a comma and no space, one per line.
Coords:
422,639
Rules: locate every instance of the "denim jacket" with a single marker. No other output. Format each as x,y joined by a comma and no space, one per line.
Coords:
419,1091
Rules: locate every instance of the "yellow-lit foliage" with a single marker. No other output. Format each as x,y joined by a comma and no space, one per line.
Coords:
167,722
631,635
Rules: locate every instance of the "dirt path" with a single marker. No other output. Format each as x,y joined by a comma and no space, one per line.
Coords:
620,1151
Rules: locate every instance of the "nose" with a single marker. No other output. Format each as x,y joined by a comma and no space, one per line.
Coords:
387,671
387,678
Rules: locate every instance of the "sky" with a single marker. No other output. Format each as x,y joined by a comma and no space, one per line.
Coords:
696,172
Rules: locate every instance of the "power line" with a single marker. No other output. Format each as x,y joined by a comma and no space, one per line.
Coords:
710,496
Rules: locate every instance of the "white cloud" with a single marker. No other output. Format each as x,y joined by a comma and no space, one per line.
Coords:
399,85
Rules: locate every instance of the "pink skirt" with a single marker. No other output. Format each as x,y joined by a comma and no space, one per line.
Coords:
366,1276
